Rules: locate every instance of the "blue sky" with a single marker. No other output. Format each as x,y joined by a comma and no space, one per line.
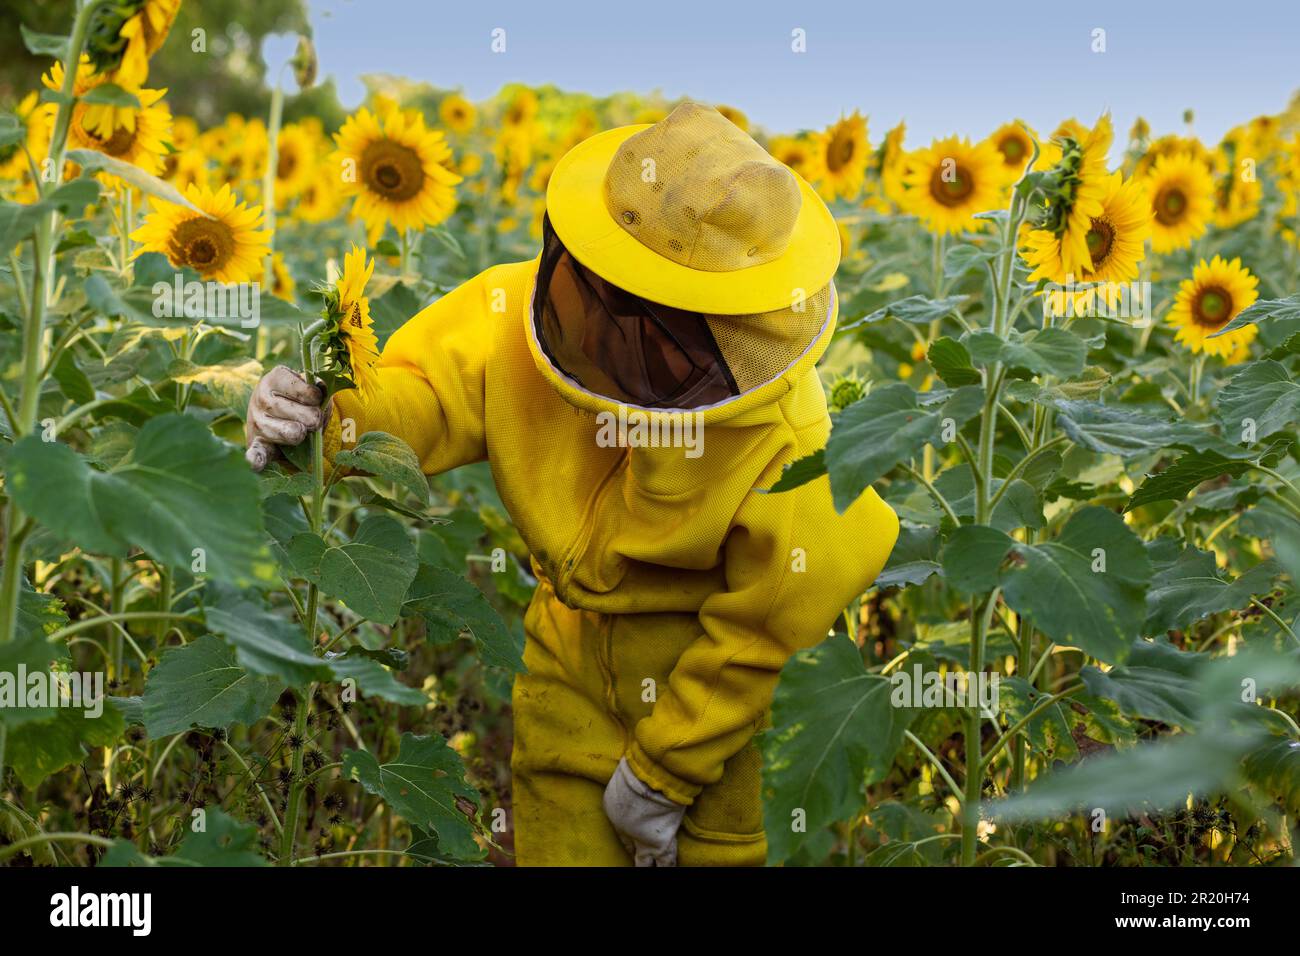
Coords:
943,66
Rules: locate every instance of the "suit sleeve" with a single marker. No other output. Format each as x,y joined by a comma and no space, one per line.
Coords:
431,384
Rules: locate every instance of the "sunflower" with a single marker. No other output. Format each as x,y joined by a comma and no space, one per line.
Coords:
13,158
1208,301
222,243
838,163
140,139
884,184
471,164
1015,142
514,153
1265,131
185,168
847,241
522,110
794,151
354,320
319,200
735,115
1236,200
381,104
1173,145
21,190
124,34
1182,197
457,113
295,160
892,165
122,37
1087,176
398,171
239,147
282,284
1076,156
1237,191
1116,244
952,180
141,134
185,132
585,125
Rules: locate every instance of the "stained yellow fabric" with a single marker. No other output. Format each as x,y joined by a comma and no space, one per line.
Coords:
692,213
656,566
717,209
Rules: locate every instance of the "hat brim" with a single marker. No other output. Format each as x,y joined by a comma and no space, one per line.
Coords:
575,202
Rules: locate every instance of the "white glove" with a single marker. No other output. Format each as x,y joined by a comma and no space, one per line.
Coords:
645,820
283,410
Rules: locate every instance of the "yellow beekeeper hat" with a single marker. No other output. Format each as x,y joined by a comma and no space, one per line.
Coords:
692,213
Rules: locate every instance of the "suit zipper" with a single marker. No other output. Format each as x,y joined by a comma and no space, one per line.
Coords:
569,564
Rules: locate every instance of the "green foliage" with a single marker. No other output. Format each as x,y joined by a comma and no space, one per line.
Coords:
202,684
423,785
369,573
387,458
873,435
161,498
451,606
1099,520
834,730
1106,524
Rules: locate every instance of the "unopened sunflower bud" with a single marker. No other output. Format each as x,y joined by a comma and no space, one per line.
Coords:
846,390
304,63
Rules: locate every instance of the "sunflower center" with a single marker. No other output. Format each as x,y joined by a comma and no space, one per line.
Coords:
840,152
392,170
204,245
1012,149
951,184
1100,239
1212,308
119,144
285,165
354,316
1171,205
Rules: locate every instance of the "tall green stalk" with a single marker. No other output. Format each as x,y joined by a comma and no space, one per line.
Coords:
981,615
274,121
43,279
289,834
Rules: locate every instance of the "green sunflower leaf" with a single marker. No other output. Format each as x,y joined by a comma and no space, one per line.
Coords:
182,495
425,786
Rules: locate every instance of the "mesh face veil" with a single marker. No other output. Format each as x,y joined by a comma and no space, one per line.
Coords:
630,350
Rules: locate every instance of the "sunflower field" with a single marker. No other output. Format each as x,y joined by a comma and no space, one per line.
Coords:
1067,359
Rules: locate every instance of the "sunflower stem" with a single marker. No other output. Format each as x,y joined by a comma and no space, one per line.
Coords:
1194,380
273,123
981,614
289,834
43,280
